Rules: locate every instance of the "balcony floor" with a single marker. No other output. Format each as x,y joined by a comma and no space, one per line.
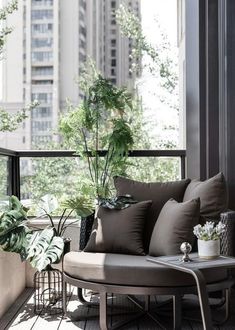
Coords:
21,317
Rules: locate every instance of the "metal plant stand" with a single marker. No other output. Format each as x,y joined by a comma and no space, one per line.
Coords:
48,291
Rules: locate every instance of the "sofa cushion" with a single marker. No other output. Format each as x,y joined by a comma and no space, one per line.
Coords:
119,231
121,269
174,226
213,196
158,192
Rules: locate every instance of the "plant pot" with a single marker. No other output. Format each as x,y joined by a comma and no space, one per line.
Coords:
85,230
67,241
208,249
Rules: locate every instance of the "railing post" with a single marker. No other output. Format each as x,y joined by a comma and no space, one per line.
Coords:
182,165
14,176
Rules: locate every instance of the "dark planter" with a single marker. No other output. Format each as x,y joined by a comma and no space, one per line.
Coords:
67,241
85,230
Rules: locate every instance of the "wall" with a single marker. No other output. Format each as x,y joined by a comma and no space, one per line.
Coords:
12,279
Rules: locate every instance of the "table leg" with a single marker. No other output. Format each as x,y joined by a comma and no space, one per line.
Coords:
203,299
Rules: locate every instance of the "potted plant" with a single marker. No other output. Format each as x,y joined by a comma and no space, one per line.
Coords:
101,122
209,239
40,247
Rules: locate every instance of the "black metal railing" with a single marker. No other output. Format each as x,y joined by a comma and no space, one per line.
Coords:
13,164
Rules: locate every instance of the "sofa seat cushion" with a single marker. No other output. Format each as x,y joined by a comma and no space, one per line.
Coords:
122,269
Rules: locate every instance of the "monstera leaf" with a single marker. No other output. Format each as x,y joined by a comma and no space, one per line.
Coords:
13,229
44,248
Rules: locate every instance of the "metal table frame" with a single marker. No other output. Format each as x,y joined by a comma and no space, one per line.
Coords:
104,289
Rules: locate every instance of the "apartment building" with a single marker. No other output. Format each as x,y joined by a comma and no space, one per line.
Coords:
45,54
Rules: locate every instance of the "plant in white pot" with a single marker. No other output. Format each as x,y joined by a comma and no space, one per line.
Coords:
209,239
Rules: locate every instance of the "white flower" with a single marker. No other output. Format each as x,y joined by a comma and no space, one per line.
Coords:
210,231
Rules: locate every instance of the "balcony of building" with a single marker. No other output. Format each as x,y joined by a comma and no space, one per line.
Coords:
208,79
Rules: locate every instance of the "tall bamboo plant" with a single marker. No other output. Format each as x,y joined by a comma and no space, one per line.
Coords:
101,122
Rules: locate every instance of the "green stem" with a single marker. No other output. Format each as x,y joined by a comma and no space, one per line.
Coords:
106,174
96,151
62,226
87,155
61,218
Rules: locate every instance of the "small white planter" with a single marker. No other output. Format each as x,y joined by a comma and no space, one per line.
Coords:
208,249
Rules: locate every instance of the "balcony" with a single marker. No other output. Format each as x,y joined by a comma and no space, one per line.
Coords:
16,301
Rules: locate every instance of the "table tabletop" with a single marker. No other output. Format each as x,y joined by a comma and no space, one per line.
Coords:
196,263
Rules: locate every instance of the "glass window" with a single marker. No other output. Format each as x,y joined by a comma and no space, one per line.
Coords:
113,62
113,52
42,97
42,71
42,82
41,112
42,2
42,14
42,56
113,42
41,42
38,126
42,28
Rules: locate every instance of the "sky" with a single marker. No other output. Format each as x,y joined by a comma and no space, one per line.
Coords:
166,13
157,13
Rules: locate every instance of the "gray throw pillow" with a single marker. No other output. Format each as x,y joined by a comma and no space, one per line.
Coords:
174,226
119,231
158,192
213,196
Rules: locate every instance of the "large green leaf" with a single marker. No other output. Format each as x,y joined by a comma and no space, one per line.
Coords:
15,240
13,229
44,248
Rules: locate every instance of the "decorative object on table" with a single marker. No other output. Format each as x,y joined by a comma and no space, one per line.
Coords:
209,239
48,291
186,248
100,122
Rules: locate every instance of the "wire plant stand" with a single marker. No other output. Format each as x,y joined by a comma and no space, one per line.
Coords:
48,291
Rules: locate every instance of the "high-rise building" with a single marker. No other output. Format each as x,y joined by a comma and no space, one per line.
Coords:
46,52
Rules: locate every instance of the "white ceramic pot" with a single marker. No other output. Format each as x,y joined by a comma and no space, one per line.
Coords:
208,249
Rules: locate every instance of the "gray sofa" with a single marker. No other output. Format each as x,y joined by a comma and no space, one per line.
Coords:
102,268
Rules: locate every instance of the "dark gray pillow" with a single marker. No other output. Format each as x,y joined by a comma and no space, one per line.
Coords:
158,192
174,226
213,196
119,231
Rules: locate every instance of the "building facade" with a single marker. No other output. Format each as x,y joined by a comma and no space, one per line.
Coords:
45,54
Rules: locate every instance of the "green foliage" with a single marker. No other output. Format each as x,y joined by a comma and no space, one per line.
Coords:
162,64
82,205
100,122
10,122
49,204
13,228
44,248
41,248
4,12
3,175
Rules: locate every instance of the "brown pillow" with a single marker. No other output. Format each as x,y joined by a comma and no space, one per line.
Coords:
119,231
213,196
158,192
174,226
